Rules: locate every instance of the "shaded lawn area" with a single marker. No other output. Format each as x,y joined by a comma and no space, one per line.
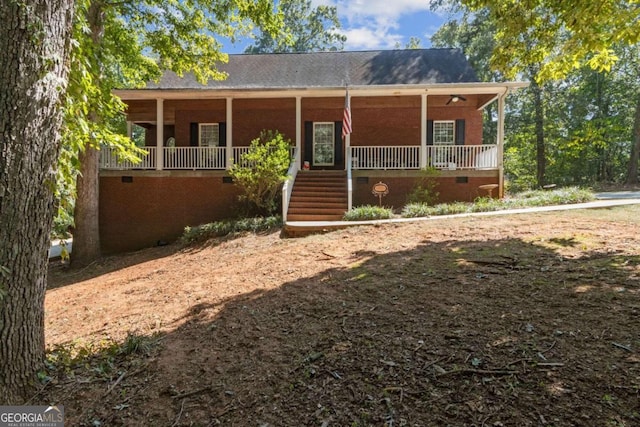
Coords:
520,320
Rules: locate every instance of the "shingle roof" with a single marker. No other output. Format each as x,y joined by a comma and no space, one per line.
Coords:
333,69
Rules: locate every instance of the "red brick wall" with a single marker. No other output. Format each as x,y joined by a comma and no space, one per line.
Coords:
399,188
184,118
252,116
386,120
138,214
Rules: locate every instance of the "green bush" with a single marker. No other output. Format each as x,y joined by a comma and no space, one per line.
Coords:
222,228
368,212
262,170
424,189
562,196
416,210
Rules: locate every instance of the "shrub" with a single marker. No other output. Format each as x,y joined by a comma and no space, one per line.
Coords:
424,189
222,228
368,212
262,170
486,204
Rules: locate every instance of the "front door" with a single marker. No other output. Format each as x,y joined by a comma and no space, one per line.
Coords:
324,149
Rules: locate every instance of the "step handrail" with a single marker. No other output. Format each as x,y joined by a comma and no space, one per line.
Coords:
287,187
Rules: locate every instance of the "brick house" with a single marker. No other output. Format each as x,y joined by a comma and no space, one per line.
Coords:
410,109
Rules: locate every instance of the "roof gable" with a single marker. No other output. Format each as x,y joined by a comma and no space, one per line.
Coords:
333,69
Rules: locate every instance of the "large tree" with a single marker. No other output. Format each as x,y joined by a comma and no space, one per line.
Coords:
34,46
562,36
125,44
306,29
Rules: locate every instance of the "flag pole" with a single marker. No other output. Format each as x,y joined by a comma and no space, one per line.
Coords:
347,127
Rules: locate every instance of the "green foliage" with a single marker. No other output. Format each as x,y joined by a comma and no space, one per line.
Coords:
413,43
560,36
99,359
262,170
416,210
305,30
368,212
126,44
424,189
562,196
222,228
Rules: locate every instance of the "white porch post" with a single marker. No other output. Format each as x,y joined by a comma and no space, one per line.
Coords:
129,129
159,133
299,130
423,132
229,149
500,143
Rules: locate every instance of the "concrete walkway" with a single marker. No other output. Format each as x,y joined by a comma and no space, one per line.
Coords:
609,195
300,228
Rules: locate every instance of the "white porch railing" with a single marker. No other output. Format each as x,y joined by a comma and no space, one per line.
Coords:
385,157
189,158
287,188
194,157
463,156
472,157
109,160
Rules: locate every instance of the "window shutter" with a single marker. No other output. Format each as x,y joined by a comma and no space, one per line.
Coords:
337,134
429,132
308,142
460,132
222,134
193,135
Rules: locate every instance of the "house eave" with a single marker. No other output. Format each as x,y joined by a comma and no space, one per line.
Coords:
474,88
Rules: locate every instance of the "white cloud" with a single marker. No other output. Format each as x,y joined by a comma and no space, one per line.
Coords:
379,10
364,38
374,24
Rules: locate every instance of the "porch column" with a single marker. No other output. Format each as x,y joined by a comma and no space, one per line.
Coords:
129,129
423,132
229,149
500,143
299,130
159,133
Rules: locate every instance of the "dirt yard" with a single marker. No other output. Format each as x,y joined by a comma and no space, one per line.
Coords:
526,320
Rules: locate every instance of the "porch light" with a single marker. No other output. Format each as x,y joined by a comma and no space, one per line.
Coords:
455,98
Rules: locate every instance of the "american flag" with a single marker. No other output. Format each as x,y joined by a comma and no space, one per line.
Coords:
346,119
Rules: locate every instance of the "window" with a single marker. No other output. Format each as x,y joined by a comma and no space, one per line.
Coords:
443,132
323,144
209,134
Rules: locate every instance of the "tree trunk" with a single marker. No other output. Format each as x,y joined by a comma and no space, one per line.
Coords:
541,159
632,173
35,46
86,235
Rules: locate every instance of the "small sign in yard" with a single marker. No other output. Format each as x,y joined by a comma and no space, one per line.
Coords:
380,189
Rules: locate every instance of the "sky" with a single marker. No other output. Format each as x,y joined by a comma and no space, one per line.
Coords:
379,24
